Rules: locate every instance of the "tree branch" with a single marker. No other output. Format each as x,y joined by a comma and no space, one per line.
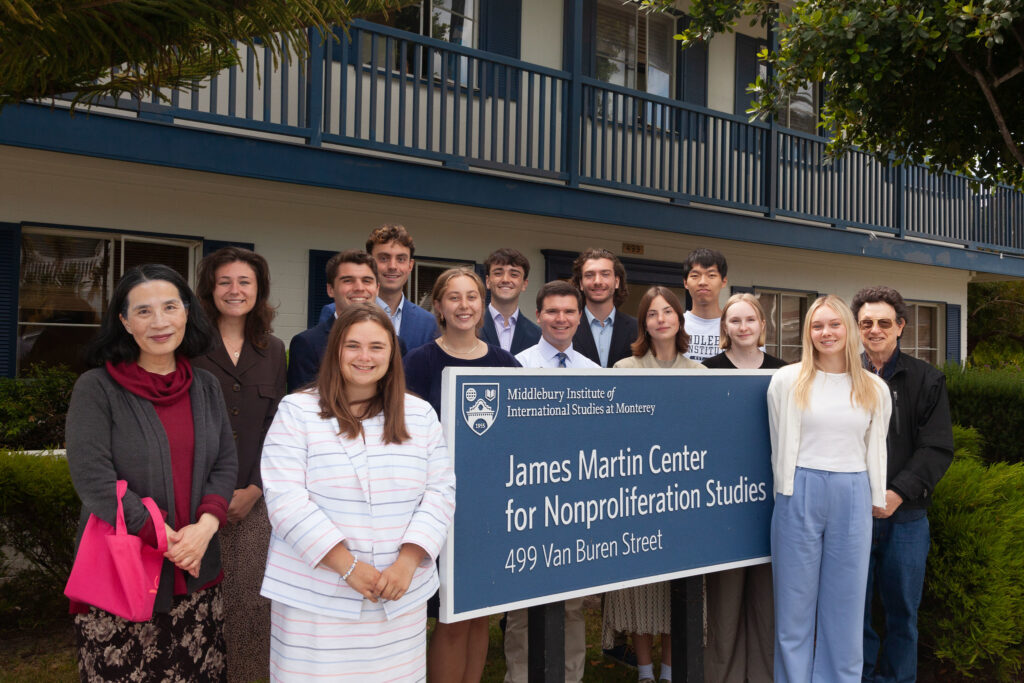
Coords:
993,106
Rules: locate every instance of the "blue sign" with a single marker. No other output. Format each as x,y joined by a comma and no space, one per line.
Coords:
574,482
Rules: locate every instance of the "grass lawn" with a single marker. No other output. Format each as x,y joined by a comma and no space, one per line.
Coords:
46,654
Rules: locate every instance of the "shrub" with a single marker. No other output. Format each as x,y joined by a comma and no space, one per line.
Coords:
972,612
39,512
992,401
33,409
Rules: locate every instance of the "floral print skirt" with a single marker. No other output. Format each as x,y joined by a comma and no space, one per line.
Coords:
185,644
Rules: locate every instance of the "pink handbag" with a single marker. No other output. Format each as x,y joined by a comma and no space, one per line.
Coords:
116,571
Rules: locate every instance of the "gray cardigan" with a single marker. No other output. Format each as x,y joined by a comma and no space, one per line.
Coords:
113,434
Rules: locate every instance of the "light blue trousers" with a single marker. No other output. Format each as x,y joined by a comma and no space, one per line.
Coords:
821,541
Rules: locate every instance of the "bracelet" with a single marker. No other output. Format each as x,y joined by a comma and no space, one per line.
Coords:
344,577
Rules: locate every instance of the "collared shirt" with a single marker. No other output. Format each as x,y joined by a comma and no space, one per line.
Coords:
544,355
396,316
886,371
505,328
602,331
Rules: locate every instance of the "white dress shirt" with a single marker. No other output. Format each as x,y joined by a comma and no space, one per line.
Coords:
505,332
544,355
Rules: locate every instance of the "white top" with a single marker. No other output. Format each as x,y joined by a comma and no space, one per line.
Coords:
704,336
784,420
544,355
323,488
832,428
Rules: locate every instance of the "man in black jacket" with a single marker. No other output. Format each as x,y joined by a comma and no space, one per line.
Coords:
920,445
605,333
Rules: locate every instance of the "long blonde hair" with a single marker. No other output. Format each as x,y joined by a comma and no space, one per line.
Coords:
862,391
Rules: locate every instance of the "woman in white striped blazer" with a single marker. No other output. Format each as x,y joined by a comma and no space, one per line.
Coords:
361,493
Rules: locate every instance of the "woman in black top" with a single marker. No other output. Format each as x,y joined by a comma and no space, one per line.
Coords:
741,632
458,651
742,336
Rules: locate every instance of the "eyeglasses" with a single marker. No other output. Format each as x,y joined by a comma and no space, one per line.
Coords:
884,323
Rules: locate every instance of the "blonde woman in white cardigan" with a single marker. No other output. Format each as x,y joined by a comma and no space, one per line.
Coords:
644,610
829,418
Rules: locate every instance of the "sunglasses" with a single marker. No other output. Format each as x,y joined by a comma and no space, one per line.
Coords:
884,324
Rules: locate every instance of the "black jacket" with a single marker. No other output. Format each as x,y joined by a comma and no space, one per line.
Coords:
920,440
624,331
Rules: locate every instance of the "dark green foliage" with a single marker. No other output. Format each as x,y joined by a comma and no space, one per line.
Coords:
972,613
39,513
993,402
33,408
995,323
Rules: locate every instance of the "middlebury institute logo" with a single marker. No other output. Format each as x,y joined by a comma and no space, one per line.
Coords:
480,405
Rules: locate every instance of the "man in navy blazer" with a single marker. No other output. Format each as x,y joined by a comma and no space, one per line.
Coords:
351,279
504,324
392,248
605,334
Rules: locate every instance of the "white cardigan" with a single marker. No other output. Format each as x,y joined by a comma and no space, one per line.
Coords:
323,488
784,420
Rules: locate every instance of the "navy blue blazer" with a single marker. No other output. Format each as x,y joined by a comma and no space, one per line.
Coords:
418,325
524,336
306,350
624,334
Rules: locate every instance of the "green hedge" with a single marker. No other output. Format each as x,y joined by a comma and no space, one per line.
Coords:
972,612
33,409
991,401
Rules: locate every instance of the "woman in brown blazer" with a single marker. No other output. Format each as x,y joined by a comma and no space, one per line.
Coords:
234,287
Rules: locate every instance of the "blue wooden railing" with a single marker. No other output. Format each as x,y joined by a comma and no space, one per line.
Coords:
388,91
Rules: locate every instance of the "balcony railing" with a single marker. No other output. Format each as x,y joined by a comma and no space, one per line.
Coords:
390,91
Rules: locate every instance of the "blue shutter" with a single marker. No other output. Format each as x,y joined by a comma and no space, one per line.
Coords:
317,298
746,71
500,33
691,70
10,265
953,332
210,246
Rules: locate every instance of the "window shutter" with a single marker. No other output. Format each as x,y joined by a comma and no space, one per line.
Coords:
317,284
501,26
746,71
210,246
10,265
953,332
691,71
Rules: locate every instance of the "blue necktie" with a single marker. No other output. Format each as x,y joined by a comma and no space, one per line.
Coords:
561,356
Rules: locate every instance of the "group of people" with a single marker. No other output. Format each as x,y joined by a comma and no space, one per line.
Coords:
305,503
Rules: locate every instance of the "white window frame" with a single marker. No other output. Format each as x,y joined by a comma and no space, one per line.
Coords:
642,22
910,342
774,346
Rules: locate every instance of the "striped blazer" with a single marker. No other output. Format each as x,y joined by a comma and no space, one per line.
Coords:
323,488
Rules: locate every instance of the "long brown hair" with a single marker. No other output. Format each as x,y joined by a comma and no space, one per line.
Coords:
390,396
643,339
258,320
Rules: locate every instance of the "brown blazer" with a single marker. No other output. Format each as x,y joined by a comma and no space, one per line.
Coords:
252,389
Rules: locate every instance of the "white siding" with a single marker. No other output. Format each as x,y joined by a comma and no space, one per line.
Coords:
285,221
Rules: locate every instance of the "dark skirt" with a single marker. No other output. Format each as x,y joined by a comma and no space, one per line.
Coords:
185,644
243,548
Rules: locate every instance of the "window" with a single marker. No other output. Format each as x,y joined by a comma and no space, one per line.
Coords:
800,111
784,313
425,272
635,49
66,279
921,334
453,21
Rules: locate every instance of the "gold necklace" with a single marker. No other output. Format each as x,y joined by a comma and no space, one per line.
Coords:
454,352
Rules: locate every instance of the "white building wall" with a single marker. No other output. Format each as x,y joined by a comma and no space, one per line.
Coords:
286,221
